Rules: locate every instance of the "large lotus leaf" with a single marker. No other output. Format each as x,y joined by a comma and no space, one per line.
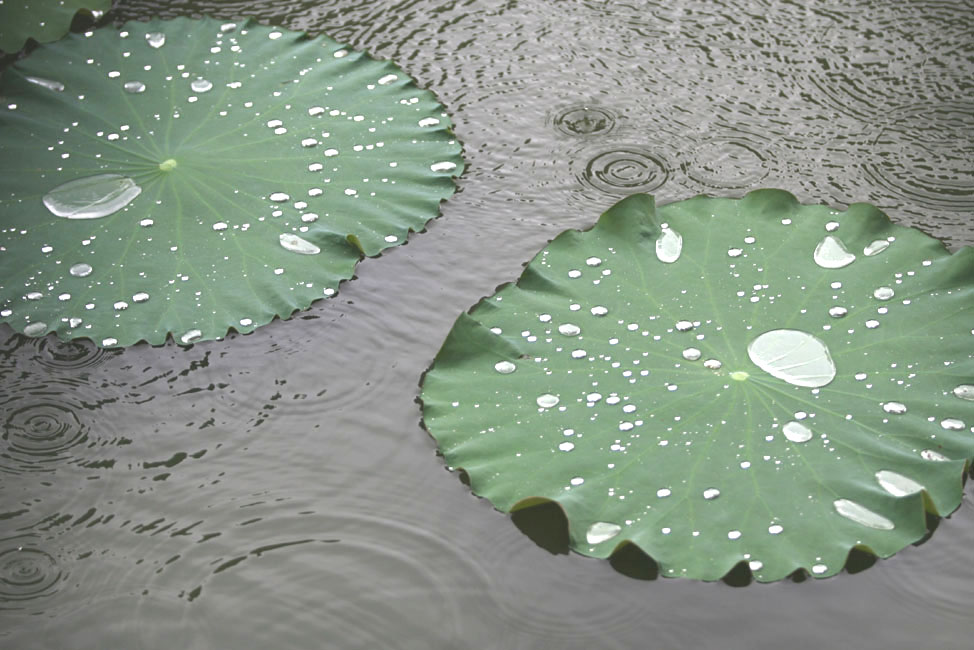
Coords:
186,177
721,381
44,21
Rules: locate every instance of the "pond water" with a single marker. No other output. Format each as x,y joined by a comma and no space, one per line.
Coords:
278,490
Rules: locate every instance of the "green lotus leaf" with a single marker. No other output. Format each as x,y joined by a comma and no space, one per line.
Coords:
186,177
43,21
720,382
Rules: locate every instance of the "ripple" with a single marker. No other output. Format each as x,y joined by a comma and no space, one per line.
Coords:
37,435
26,572
727,163
925,153
624,170
70,356
584,120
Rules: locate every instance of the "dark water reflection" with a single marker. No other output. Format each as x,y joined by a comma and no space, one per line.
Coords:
276,489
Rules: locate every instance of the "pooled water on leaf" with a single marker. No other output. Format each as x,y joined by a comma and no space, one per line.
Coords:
794,356
601,531
56,86
861,514
965,391
297,244
831,253
91,197
897,484
35,329
669,246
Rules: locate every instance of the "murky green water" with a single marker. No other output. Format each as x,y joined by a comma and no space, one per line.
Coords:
277,490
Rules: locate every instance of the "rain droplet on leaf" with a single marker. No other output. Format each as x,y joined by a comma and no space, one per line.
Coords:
669,246
831,253
861,514
601,531
91,197
296,244
505,367
897,484
794,356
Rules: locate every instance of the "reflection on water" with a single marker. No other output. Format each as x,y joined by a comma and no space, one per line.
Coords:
278,485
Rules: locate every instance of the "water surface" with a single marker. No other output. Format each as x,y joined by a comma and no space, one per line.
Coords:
277,489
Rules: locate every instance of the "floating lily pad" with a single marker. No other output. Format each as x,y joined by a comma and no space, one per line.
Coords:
43,21
719,382
186,177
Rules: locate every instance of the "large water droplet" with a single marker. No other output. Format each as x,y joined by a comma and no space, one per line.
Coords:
875,248
80,270
547,400
930,454
883,293
56,86
505,367
862,515
669,246
134,87
190,336
601,531
797,432
831,253
91,197
838,312
964,391
691,354
201,85
711,493
897,484
35,329
953,424
444,166
155,39
568,329
896,408
296,244
794,356
712,364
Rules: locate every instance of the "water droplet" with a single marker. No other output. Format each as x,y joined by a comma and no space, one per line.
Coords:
5,313
662,493
755,565
109,342
872,324
712,364
734,252
566,446
930,454
201,85
599,310
875,248
593,397
155,39
896,408
190,336
505,367
121,305
388,79
91,197
309,142
134,87
897,484
794,356
444,166
428,121
220,225
862,515
145,223
711,493
883,293
775,529
274,35
953,424
819,569
569,329
547,400
838,312
578,480
684,326
669,245
831,253
279,197
593,261
296,244
80,270
579,354
601,531
734,534
35,329
56,86
691,354
797,432
34,295
832,226
140,297
964,391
